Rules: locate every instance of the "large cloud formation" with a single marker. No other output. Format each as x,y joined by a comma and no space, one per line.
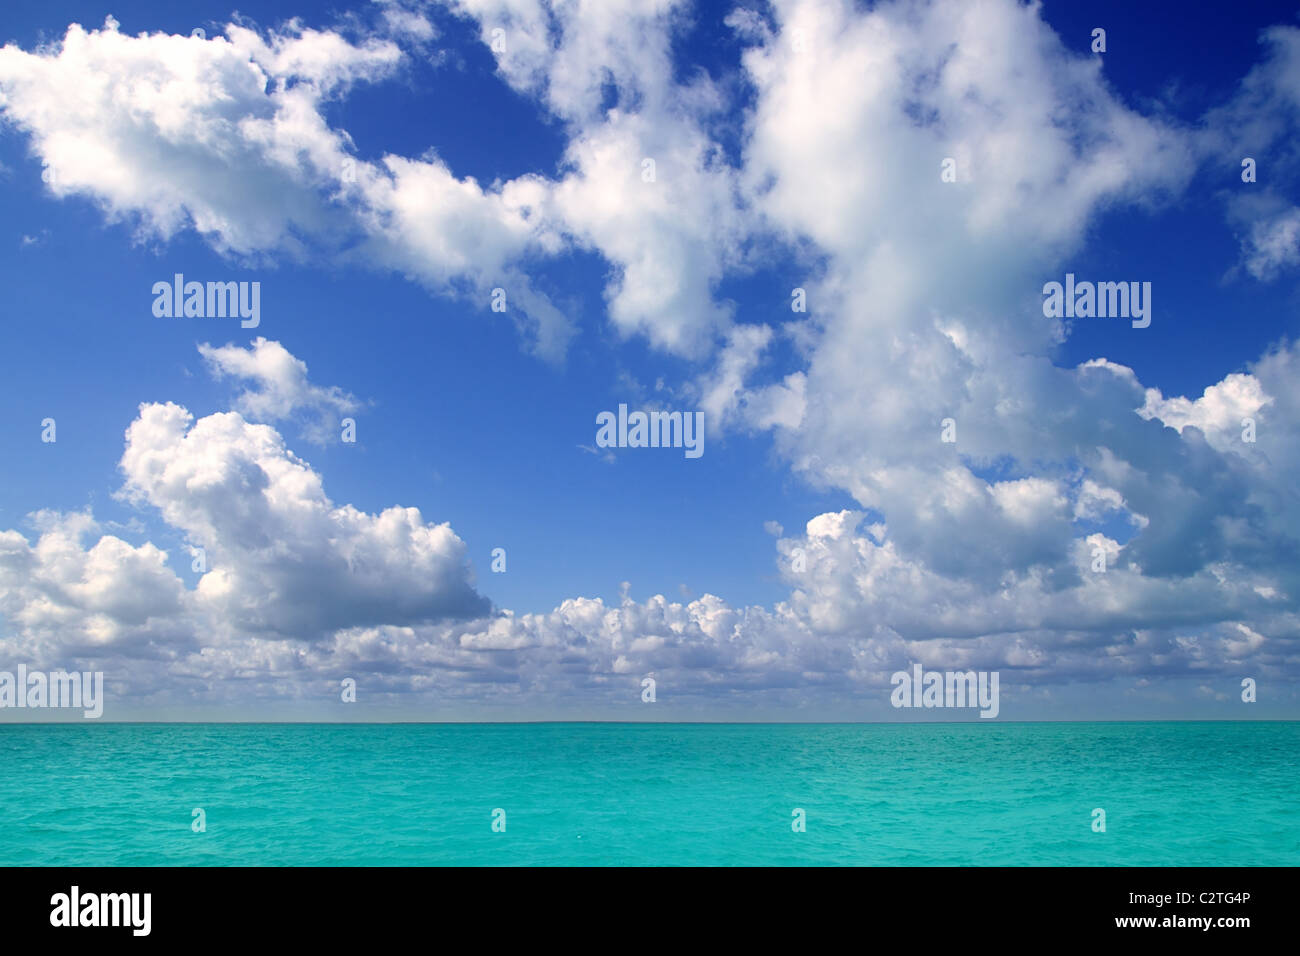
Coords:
976,553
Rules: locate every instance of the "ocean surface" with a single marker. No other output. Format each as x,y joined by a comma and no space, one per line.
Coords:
983,794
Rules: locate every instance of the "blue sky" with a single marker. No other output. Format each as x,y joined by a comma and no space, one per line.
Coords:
777,168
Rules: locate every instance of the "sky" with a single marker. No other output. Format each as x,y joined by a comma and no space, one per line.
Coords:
823,227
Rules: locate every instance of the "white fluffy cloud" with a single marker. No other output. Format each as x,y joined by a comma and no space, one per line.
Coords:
277,560
227,136
281,556
644,182
280,388
58,595
182,131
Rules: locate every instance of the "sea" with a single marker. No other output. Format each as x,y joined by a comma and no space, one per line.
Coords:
651,794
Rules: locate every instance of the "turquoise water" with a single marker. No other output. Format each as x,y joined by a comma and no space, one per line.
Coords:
882,794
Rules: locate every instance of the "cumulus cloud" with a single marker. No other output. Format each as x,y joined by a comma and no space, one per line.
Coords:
279,387
282,556
186,132
58,594
279,562
644,181
227,136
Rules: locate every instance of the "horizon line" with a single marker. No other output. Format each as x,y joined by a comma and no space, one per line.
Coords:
657,723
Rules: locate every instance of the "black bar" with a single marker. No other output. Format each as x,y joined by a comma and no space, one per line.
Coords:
980,907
